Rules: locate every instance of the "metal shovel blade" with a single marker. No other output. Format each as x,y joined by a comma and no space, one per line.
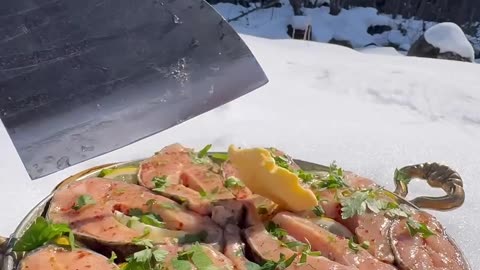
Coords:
82,78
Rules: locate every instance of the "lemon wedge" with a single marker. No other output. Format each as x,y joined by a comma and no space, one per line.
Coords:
258,171
125,174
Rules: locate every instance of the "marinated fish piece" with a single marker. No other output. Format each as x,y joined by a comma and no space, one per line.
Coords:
97,220
424,252
54,258
332,246
187,178
268,248
233,182
228,212
373,228
235,248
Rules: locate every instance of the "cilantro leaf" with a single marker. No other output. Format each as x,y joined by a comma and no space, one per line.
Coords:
143,255
220,156
181,264
160,255
200,259
365,244
104,172
294,244
402,176
112,257
422,229
275,230
83,200
192,238
203,153
160,183
353,246
282,162
233,182
41,232
153,220
318,211
135,212
305,176
252,266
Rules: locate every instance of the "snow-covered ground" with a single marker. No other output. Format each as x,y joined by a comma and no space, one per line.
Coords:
350,25
370,113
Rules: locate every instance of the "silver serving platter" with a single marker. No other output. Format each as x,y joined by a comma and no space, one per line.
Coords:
438,176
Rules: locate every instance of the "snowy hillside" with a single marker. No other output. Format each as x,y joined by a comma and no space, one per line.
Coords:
351,25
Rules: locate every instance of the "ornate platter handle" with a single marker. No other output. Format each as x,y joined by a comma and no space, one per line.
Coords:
437,176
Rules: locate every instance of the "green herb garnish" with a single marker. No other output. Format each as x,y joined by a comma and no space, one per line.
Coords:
160,183
318,211
402,176
203,153
112,257
281,161
104,172
147,259
356,247
233,182
421,229
196,256
305,176
281,264
220,156
192,238
83,200
275,230
41,232
153,220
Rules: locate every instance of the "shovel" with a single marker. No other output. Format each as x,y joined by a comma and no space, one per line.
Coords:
82,78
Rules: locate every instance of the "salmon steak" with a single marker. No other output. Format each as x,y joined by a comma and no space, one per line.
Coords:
245,209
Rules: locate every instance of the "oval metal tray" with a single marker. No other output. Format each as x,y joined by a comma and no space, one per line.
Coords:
436,175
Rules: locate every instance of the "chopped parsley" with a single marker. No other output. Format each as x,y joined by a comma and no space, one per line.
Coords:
104,172
305,176
203,153
192,238
402,176
318,211
281,161
220,156
421,229
282,263
41,232
112,257
275,230
208,195
83,200
141,241
196,256
333,180
160,183
147,259
353,246
233,182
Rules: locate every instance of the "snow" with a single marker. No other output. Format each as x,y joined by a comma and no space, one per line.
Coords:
350,25
301,22
449,37
371,114
380,50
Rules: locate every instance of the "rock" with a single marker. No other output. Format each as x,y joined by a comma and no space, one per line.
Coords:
378,29
443,41
344,43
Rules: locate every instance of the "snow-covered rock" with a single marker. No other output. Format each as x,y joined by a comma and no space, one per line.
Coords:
449,37
443,41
